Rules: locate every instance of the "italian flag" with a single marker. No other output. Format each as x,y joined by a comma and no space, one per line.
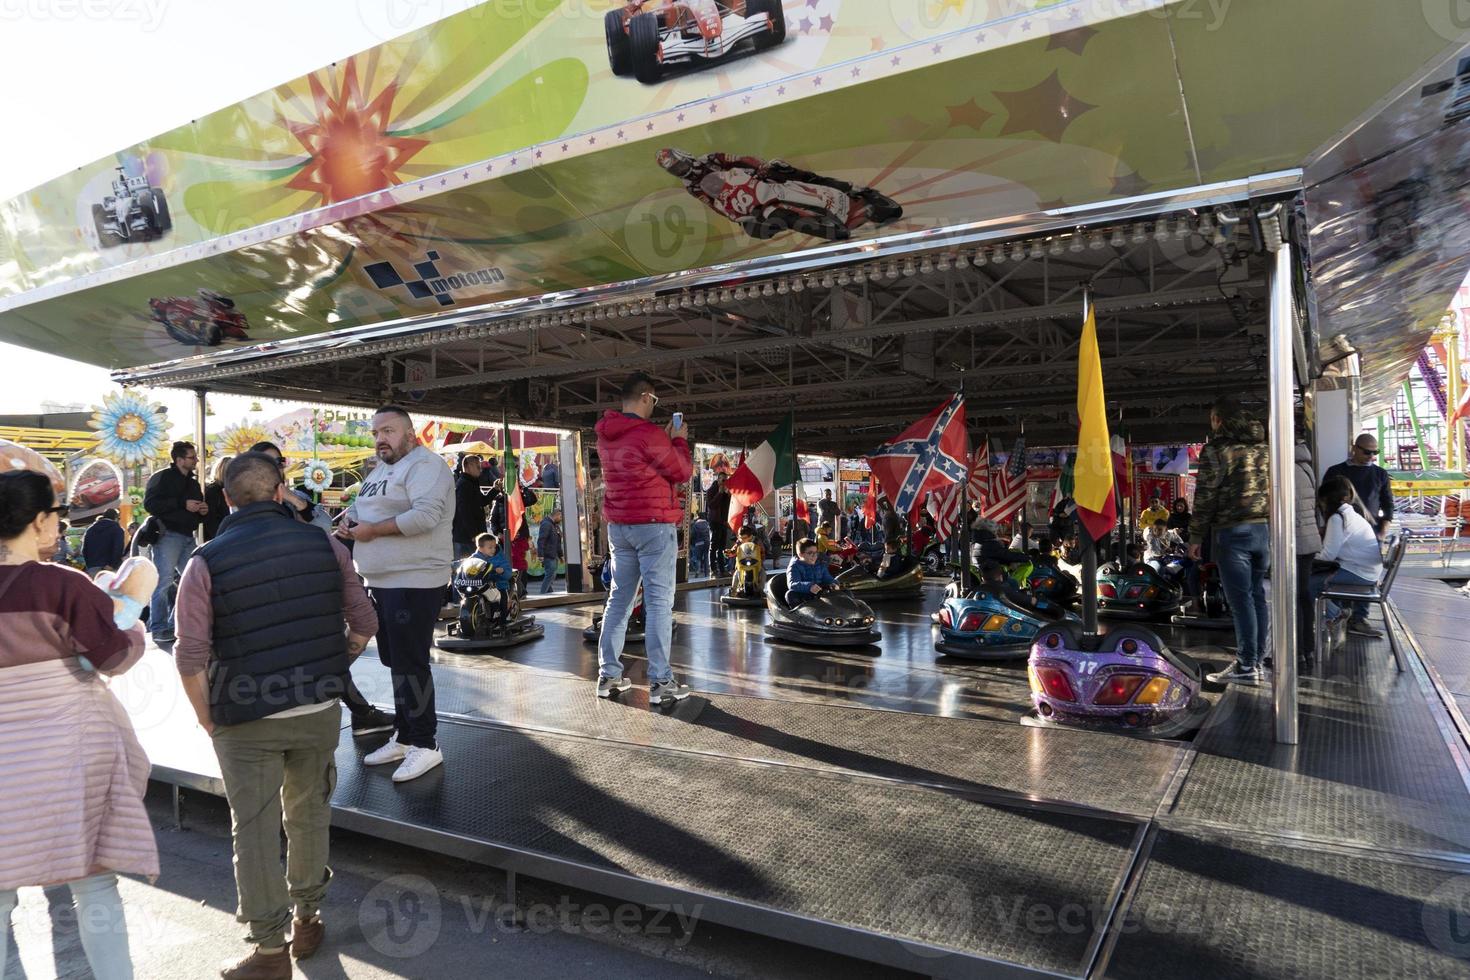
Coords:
772,464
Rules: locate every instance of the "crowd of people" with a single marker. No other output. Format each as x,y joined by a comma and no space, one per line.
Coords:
265,619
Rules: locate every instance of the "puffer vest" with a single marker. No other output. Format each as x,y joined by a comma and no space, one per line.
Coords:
279,636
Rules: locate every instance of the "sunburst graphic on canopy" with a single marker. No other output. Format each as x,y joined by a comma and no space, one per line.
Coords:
352,153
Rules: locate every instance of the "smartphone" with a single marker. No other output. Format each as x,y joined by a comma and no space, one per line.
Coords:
678,420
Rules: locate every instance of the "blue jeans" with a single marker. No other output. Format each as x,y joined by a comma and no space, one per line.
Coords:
549,582
1243,554
699,559
170,555
647,553
1342,576
100,921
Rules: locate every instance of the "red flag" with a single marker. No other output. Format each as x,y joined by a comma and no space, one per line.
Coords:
928,455
870,502
803,512
515,505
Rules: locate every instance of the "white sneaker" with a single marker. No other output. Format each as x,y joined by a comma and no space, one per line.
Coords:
418,761
390,751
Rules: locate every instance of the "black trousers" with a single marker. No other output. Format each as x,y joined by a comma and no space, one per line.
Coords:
406,619
1306,634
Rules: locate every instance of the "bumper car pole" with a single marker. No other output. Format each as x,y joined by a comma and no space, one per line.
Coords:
1089,582
1283,476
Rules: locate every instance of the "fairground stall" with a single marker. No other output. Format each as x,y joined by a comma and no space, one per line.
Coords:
848,212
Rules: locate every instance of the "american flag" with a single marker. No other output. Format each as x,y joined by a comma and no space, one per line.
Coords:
928,455
948,504
1008,485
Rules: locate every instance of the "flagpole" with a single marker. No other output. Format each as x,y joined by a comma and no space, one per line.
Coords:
964,524
1089,547
1025,528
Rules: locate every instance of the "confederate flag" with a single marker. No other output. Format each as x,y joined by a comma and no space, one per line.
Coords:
929,455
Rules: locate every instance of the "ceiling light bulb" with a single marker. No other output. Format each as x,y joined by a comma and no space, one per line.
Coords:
1161,231
943,264
843,278
783,287
1096,242
1018,252
1076,245
1056,247
768,290
891,272
961,260
1118,240
909,269
1181,229
798,284
1035,251
875,272
926,266
1140,233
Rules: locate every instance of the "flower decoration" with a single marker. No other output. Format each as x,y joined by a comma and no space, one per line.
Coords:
130,429
318,476
237,439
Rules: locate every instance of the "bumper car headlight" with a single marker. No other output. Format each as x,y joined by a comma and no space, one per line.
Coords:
837,622
1153,692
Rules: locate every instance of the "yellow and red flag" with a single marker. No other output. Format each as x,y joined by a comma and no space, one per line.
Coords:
1097,507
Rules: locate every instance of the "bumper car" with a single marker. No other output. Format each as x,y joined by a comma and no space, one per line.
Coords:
1051,582
906,581
1209,611
989,625
1127,680
745,584
481,625
832,619
1136,592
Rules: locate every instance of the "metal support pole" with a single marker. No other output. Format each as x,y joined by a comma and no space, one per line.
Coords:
1283,497
201,439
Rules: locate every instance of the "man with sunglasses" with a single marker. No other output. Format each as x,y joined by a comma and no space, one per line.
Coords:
173,495
643,466
1374,491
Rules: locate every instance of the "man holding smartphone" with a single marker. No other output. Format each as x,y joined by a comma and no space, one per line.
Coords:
642,468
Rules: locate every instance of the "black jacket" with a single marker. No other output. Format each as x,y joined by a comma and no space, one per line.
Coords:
219,508
1373,486
469,509
279,636
102,544
167,492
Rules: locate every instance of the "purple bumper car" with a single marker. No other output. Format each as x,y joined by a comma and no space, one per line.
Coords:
1125,680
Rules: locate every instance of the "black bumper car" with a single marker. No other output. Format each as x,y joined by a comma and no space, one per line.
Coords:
1208,611
904,580
832,619
1136,591
489,618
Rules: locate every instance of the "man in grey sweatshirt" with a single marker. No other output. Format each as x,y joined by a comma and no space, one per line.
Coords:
400,526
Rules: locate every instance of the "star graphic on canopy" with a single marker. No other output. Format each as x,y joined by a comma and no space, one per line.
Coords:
1046,108
826,23
1074,40
968,114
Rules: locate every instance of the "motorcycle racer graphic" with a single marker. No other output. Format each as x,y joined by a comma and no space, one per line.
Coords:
768,198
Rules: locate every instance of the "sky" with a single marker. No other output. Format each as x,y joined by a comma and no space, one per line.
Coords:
85,78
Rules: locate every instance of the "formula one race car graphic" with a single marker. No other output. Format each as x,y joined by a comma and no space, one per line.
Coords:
490,617
989,624
832,619
133,212
766,199
646,36
202,322
1136,592
1127,680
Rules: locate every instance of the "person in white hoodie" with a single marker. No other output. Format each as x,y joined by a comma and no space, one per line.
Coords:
1348,540
400,526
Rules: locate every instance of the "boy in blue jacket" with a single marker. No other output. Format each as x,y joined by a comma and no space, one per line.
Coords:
486,566
806,576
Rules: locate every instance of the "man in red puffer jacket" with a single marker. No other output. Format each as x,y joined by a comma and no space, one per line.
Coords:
642,468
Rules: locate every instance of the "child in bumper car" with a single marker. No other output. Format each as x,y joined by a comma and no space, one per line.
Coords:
487,566
806,577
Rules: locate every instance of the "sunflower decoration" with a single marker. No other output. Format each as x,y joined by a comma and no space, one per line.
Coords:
236,439
318,476
130,429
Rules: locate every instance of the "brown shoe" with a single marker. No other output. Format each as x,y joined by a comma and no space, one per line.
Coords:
306,936
260,966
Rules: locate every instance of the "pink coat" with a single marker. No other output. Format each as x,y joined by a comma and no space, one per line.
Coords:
72,774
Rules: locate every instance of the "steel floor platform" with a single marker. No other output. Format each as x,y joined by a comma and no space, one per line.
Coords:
886,805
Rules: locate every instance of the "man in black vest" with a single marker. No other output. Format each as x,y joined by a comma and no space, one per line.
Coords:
270,616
